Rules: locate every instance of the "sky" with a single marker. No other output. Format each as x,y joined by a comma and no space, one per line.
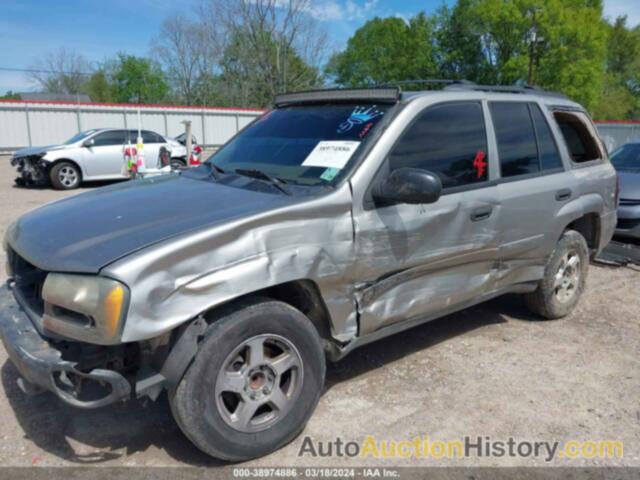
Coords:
98,29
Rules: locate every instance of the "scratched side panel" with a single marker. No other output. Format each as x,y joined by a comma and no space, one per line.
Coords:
176,280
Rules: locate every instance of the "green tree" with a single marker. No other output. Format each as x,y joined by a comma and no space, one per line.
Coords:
386,50
556,44
620,98
10,95
252,77
139,79
99,87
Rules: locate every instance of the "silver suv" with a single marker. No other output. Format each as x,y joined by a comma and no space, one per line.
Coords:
335,219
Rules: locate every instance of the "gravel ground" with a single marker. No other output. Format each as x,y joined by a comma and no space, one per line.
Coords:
486,371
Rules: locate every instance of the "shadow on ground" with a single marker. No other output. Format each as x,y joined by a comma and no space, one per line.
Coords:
97,436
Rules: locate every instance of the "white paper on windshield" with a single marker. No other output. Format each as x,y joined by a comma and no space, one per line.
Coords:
331,154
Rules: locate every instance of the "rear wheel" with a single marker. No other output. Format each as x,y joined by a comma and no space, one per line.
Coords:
564,278
254,382
65,176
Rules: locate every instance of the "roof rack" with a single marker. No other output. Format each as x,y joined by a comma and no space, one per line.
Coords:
525,89
379,95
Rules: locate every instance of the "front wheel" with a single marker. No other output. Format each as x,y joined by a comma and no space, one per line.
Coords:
65,176
254,382
564,279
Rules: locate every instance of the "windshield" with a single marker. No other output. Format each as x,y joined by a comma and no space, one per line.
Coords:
309,145
79,136
627,157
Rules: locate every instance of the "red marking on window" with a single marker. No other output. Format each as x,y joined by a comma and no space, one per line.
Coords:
479,164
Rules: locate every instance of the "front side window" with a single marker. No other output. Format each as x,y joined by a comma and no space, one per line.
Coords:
79,136
112,137
305,145
448,140
516,139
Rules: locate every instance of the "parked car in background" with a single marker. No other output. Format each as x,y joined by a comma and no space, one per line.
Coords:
338,218
90,155
182,139
626,161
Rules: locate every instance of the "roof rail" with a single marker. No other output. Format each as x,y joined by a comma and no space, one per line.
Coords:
428,81
526,89
379,95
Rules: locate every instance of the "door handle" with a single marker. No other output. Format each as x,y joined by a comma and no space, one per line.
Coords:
481,213
564,194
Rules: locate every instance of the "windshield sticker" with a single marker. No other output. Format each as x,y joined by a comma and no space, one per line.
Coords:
329,174
359,116
331,154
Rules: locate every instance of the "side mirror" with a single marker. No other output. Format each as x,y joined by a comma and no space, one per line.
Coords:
409,185
88,143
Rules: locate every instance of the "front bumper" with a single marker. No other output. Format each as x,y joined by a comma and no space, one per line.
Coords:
42,366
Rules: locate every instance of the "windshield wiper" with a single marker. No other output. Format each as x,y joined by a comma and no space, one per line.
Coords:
260,175
214,170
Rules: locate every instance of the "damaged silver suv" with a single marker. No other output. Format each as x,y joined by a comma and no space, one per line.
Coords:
335,219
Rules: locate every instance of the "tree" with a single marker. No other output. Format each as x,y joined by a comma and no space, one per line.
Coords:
61,71
386,50
99,87
620,97
10,95
271,46
137,79
183,48
556,44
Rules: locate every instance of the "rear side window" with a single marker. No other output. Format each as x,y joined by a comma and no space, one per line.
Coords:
449,140
547,148
113,137
580,141
516,139
150,137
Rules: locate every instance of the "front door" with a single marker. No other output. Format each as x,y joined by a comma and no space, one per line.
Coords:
421,260
104,158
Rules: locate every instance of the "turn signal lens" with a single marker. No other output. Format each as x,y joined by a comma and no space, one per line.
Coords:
113,310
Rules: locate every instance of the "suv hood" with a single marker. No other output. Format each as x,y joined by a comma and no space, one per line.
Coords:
86,232
629,184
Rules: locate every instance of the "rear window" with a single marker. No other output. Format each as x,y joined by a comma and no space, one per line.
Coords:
580,141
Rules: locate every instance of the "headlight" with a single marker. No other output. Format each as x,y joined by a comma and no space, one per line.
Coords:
84,307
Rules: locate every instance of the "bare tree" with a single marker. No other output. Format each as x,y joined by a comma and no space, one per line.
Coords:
271,46
187,52
61,71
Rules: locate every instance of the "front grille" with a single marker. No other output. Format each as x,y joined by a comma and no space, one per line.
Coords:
629,202
28,281
628,223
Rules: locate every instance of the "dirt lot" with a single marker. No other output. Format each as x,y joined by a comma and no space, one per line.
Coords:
486,371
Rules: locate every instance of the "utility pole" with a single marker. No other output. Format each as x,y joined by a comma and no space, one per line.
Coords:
533,47
187,129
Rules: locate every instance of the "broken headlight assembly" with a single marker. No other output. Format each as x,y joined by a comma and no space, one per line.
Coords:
85,308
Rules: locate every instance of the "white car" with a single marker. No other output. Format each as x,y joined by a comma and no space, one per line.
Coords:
91,155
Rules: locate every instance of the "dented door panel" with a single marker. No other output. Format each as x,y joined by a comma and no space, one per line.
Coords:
420,259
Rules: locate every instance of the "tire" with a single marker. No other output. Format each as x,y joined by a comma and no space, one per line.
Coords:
564,279
228,380
177,163
65,176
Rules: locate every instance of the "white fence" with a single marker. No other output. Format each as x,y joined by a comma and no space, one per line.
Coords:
25,124
615,134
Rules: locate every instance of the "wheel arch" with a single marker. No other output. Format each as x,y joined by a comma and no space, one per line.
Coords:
67,160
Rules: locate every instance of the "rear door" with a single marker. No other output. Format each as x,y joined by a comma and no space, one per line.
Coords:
420,260
104,158
532,189
152,143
